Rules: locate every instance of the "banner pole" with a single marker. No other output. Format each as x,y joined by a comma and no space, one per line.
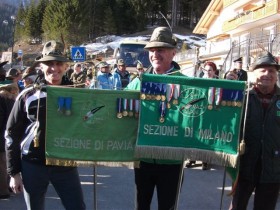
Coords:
179,185
94,188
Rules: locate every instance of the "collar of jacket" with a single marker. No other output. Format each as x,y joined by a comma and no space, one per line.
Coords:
175,65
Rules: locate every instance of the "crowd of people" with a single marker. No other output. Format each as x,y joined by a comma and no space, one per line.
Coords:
23,126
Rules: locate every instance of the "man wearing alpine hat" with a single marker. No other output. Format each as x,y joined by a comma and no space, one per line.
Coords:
153,173
25,140
259,169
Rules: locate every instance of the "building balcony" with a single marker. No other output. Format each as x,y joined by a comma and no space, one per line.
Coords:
251,16
226,3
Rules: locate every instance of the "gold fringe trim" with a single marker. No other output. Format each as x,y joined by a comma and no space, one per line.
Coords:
66,162
171,153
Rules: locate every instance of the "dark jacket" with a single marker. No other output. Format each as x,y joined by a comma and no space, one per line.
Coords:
242,75
20,129
8,93
125,77
78,79
262,140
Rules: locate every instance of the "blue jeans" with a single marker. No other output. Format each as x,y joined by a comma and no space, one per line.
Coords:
65,180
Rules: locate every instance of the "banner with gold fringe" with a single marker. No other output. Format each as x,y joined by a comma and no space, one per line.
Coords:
91,127
195,118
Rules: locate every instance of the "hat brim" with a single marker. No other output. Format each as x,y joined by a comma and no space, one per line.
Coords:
254,67
29,74
52,58
104,66
158,44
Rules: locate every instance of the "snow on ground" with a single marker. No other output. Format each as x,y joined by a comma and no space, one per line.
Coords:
106,43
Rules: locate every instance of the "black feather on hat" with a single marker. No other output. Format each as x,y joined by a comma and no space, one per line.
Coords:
3,63
238,60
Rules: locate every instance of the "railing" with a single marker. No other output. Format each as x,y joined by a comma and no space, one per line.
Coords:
247,49
266,10
186,55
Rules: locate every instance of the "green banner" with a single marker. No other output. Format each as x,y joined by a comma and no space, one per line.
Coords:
183,117
82,125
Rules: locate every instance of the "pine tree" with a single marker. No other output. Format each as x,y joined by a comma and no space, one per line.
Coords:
31,22
109,23
64,20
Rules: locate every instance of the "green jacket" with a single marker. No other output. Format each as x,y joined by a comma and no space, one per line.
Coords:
136,85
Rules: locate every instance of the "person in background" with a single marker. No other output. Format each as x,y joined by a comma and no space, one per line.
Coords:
69,72
122,72
29,76
3,71
210,70
14,76
8,92
78,77
241,74
259,167
231,75
105,79
164,175
25,140
137,75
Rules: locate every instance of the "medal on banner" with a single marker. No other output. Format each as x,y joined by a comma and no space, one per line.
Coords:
119,108
148,90
136,114
68,105
162,107
225,97
143,96
124,113
218,96
211,97
163,92
238,104
158,97
130,113
153,90
176,94
143,91
228,103
169,94
158,93
60,102
230,99
234,98
239,98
